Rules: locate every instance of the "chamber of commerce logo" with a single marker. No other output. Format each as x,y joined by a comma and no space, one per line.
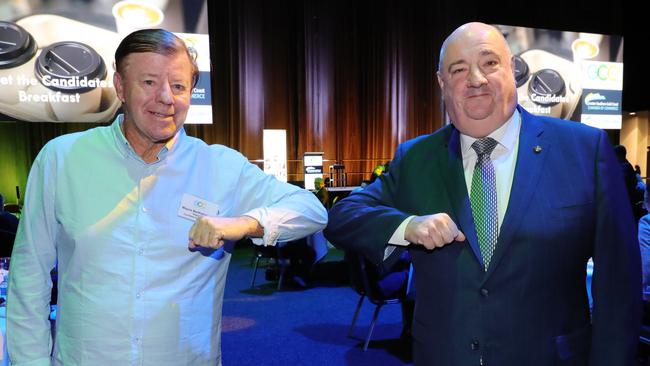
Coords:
592,97
602,102
199,204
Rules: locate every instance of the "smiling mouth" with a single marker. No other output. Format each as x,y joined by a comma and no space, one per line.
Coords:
477,95
161,115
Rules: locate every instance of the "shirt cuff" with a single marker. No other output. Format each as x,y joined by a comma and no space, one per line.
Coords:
271,231
398,235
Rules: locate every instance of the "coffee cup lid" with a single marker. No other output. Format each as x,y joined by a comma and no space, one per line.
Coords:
17,46
548,85
69,63
521,71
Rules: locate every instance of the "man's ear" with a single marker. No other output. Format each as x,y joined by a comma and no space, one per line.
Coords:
119,87
441,82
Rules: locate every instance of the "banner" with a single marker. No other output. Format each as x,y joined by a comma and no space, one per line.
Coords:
56,68
569,75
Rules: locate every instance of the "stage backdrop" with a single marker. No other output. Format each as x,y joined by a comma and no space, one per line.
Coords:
349,78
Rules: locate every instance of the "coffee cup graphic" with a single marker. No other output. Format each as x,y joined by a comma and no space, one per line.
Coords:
132,15
584,49
522,71
548,90
17,46
76,73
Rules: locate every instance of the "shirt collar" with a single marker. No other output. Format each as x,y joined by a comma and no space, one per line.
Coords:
506,135
125,147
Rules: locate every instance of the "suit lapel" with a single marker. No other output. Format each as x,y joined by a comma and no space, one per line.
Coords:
531,155
451,163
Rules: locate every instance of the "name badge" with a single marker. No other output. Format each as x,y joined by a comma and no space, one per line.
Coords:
193,207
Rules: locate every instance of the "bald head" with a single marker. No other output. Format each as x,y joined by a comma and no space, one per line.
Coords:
470,31
476,76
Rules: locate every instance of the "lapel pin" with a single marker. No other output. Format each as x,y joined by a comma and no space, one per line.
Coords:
537,149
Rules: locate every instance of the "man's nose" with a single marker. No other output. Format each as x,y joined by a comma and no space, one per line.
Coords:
165,94
476,78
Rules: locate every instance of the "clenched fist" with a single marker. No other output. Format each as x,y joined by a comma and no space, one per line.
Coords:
210,232
433,231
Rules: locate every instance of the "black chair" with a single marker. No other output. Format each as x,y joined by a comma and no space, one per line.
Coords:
13,208
6,243
365,279
270,254
645,335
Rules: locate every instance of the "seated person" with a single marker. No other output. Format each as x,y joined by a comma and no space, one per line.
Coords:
321,192
295,259
379,169
303,253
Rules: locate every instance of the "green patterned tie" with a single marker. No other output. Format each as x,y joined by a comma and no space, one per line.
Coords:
484,198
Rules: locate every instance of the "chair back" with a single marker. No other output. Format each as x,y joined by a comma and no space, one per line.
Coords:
365,279
14,208
6,243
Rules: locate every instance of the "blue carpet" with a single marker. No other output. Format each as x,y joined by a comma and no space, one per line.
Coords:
303,326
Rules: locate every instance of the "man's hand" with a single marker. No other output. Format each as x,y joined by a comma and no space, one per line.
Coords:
433,231
210,232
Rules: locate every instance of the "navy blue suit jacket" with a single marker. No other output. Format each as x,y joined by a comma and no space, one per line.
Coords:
567,203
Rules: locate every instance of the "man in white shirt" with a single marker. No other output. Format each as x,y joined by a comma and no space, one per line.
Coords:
140,219
500,265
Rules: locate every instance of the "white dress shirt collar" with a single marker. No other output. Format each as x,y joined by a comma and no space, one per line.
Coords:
506,136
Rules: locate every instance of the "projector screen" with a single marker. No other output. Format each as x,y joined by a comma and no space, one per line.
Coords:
569,75
57,57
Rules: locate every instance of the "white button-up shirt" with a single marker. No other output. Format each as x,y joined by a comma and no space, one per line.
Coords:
130,291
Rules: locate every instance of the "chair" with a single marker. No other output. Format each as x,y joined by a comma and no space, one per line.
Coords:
13,208
365,280
6,243
270,253
645,335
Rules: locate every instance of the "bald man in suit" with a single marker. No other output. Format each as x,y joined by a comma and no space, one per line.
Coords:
508,290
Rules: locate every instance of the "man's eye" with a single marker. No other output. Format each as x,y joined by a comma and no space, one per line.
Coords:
457,71
179,87
148,82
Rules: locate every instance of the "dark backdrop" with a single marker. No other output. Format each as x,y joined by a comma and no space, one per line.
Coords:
349,78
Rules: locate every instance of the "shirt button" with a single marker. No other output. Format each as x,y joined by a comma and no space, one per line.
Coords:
138,295
485,292
136,340
140,251
144,209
